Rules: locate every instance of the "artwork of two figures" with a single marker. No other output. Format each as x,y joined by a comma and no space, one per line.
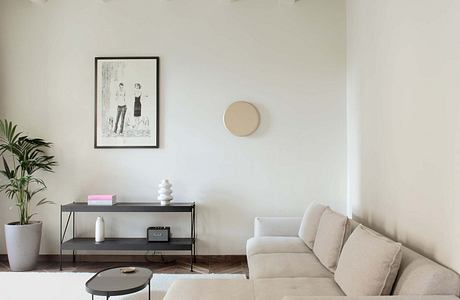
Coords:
127,102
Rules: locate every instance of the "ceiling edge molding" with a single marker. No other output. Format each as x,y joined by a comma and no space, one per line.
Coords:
105,1
288,2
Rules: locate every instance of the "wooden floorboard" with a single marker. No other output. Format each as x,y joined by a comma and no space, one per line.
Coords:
163,265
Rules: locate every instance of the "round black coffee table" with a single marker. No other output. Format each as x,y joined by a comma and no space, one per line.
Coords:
112,282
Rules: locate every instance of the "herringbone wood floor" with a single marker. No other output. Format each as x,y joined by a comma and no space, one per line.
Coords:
170,264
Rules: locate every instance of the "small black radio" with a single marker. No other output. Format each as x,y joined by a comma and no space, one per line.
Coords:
158,234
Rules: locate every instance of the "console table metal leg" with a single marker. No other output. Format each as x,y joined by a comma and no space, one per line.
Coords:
60,239
73,234
194,236
191,237
62,235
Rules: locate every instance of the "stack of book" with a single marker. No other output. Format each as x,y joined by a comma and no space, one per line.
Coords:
102,200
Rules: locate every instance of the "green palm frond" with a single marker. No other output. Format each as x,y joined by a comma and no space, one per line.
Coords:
22,157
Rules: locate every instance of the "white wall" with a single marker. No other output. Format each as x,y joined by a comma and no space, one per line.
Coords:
404,121
289,60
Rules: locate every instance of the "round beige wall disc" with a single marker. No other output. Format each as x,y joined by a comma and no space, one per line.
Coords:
241,118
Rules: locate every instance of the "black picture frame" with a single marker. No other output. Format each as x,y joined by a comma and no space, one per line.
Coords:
99,116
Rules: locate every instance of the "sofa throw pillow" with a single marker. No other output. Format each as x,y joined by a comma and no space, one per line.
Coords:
368,264
310,222
330,237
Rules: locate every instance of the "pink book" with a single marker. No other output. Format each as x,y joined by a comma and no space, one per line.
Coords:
102,197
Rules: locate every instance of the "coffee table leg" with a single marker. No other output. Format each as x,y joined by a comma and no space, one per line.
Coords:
149,289
92,297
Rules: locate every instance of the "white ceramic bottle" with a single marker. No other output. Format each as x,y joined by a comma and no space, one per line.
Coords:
99,230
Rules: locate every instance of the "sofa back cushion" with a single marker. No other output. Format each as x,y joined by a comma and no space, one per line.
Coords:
419,275
310,222
368,264
331,234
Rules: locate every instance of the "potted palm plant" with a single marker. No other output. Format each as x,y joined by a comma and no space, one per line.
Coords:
22,159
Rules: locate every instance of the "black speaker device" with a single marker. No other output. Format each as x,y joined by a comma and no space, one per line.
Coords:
158,234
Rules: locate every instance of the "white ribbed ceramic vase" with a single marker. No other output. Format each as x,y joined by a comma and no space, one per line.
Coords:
164,192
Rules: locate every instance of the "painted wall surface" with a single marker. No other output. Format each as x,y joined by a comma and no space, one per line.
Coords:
289,60
404,121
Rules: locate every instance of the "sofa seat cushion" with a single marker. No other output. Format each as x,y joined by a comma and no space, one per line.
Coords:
278,265
275,244
211,289
278,288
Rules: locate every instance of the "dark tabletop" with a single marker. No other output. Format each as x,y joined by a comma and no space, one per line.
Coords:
129,207
112,282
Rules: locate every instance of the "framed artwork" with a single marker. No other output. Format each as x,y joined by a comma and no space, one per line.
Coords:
126,102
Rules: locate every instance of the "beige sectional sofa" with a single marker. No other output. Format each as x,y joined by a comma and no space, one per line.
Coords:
326,256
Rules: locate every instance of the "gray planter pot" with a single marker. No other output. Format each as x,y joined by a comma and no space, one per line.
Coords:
23,245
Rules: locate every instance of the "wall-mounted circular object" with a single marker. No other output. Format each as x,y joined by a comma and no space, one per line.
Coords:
241,118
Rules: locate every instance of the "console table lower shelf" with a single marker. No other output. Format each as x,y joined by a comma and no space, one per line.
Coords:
129,244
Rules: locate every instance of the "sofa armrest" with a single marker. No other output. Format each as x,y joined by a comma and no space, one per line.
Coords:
396,297
277,226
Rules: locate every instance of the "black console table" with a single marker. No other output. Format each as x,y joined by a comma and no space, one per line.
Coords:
141,244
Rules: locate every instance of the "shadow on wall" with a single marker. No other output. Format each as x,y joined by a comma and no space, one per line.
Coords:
265,121
214,214
374,222
371,222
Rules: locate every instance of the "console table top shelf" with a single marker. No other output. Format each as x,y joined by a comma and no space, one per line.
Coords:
129,207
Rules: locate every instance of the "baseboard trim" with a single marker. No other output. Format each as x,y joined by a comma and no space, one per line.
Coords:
134,258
